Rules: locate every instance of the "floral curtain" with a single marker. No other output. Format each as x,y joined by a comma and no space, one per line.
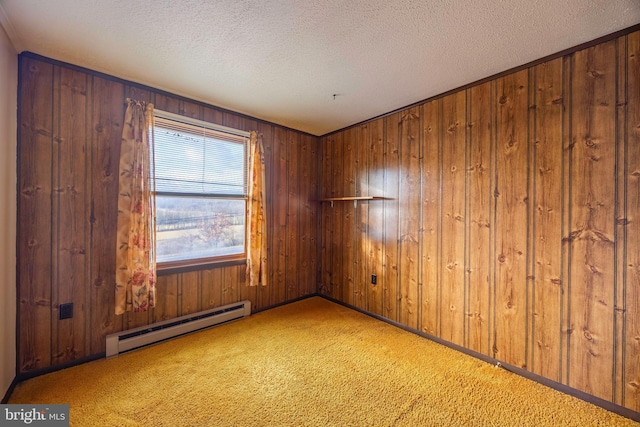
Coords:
135,251
257,227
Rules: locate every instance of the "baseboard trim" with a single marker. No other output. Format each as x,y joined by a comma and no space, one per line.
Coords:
280,304
9,392
37,372
563,388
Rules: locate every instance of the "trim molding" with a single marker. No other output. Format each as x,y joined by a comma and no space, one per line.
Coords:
10,390
286,302
605,404
36,373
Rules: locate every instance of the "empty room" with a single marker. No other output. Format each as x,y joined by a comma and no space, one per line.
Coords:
320,213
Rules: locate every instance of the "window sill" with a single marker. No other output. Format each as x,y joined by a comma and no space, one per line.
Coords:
168,268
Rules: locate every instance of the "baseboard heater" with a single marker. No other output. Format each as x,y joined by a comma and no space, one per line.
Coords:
139,337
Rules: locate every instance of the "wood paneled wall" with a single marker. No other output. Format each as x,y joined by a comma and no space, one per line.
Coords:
70,124
511,224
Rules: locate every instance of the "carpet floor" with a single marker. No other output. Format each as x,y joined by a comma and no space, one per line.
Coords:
309,363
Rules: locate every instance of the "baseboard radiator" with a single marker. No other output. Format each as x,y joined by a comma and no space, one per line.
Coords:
139,337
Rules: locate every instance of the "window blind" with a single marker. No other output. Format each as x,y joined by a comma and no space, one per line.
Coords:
196,160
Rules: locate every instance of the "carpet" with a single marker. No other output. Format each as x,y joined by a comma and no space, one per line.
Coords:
308,363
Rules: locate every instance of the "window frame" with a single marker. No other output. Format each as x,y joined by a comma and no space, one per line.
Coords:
168,267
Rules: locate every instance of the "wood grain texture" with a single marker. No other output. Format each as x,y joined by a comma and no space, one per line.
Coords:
279,217
308,217
375,220
70,132
621,236
431,214
34,212
326,218
189,293
337,261
69,217
510,214
211,288
481,105
567,140
511,225
547,219
391,212
591,233
362,247
630,326
409,216
452,263
293,217
347,245
539,217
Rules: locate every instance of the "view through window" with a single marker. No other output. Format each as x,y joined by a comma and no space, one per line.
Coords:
201,191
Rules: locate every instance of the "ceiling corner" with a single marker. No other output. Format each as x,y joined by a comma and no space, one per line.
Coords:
5,24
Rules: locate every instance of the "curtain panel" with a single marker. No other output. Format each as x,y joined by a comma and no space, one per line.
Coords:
257,220
135,251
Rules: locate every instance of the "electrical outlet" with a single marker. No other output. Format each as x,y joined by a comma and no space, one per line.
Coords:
374,279
66,311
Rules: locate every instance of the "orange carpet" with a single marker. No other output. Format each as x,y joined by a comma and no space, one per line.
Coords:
309,363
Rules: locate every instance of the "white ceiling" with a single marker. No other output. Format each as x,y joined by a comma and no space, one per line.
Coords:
283,60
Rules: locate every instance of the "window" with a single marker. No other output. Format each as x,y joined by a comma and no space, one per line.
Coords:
201,191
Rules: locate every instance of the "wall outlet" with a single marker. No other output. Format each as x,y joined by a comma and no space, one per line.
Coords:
66,311
374,279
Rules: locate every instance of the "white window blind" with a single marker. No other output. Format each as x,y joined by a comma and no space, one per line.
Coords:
196,159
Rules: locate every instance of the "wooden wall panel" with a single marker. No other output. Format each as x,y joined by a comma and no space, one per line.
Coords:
621,213
189,293
279,215
452,263
362,244
391,213
510,221
325,285
375,219
308,216
545,252
630,288
292,222
546,224
347,244
591,233
70,132
34,205
481,105
211,288
337,260
167,307
409,217
70,234
431,217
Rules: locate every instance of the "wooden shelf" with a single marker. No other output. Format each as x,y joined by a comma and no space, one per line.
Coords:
350,198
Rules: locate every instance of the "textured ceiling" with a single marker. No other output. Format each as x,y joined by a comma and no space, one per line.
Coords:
283,60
